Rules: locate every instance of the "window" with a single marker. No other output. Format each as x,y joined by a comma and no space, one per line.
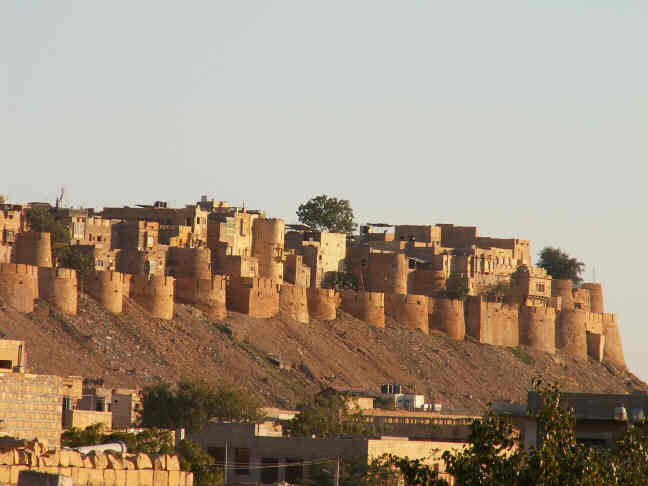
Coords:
540,287
412,264
242,461
5,364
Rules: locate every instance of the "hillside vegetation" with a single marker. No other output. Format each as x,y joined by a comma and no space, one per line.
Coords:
284,362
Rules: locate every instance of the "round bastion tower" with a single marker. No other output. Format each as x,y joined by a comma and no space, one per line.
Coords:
34,248
107,288
58,286
268,246
18,286
596,293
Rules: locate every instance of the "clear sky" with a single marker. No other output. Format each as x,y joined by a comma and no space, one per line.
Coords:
527,119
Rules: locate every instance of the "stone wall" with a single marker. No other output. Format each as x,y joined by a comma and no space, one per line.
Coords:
206,294
18,286
58,286
108,289
33,248
538,328
571,334
613,351
447,315
94,469
155,294
410,310
31,406
257,297
492,322
322,303
293,303
366,306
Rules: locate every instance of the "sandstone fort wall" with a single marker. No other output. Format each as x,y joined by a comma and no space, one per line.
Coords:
538,328
257,297
107,288
448,316
596,296
58,286
366,306
408,309
18,286
613,351
293,303
155,294
322,303
492,322
34,248
571,334
206,294
190,262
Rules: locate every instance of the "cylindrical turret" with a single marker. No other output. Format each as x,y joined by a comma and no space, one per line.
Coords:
613,350
58,286
155,294
189,262
366,306
18,286
410,310
448,316
563,288
107,288
401,273
34,248
208,295
322,303
293,303
596,296
538,328
571,332
268,245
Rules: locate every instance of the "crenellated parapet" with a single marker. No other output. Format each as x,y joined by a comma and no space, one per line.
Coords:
322,303
255,296
408,309
206,294
293,303
59,287
613,350
154,293
107,288
538,328
366,306
18,286
448,316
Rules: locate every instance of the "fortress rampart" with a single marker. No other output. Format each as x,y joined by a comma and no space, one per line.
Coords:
322,303
58,286
492,322
596,296
268,245
448,316
563,289
18,286
366,306
612,351
538,328
257,297
33,248
107,288
293,303
571,332
206,294
408,309
189,262
155,294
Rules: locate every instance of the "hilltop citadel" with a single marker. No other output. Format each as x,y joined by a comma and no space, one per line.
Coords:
217,258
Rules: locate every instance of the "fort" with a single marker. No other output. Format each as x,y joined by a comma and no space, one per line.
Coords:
220,258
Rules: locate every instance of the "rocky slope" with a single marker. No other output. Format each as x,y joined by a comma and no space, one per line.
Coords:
135,349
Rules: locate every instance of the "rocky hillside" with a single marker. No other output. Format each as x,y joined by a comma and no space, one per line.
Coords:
284,362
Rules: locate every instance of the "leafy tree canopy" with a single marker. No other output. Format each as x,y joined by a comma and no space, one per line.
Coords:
456,288
325,213
42,219
192,403
194,459
150,441
559,265
327,417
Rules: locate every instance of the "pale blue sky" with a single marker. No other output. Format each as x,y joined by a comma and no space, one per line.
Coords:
527,119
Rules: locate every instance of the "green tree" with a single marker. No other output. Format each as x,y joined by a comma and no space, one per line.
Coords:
78,259
192,403
325,213
150,441
559,265
194,459
327,417
42,219
456,288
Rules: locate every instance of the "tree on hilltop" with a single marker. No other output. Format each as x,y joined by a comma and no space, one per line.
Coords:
559,265
325,213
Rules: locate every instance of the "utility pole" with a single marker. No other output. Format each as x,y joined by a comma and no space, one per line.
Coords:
225,468
337,472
